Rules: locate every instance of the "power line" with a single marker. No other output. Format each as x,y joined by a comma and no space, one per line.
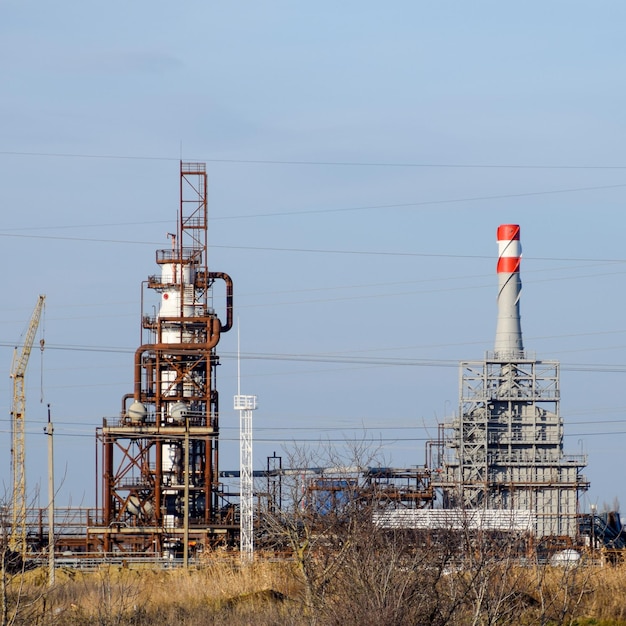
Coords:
320,250
425,202
82,155
89,239
104,225
414,254
83,428
345,359
79,155
321,438
322,211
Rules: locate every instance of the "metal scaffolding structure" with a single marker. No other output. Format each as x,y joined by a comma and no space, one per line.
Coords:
505,448
159,475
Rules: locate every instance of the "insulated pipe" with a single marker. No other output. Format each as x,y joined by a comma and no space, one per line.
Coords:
509,331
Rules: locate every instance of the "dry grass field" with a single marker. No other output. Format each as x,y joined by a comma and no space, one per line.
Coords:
274,593
215,594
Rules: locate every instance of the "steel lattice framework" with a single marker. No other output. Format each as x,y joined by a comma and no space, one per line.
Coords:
156,488
245,405
505,451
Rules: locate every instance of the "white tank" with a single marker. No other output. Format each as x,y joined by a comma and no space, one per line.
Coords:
136,508
170,273
178,411
137,412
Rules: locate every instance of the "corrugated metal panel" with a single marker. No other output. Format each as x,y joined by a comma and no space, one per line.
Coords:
457,519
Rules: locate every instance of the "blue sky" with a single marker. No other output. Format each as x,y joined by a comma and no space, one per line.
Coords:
361,156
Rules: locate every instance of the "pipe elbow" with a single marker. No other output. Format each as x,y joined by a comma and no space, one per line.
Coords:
226,326
215,330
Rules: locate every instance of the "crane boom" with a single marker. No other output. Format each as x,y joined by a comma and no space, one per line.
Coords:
18,414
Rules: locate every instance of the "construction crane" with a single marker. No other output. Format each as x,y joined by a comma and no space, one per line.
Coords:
17,539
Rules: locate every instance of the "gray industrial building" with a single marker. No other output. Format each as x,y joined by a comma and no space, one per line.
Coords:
503,450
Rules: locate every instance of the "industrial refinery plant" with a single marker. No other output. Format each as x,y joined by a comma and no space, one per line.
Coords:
504,450
498,464
159,461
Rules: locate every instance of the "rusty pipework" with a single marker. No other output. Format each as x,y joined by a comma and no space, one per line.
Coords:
125,398
229,298
214,326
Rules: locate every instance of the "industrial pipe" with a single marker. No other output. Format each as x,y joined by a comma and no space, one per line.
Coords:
174,348
229,298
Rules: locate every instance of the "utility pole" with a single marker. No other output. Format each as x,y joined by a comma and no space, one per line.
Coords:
51,543
186,499
594,508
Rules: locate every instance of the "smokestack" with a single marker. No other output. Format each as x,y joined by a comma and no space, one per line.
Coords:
509,330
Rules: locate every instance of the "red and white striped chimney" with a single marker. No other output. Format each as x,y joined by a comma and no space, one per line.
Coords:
509,330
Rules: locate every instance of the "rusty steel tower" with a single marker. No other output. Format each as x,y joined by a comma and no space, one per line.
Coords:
159,477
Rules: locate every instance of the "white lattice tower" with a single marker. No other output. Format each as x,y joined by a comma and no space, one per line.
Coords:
245,405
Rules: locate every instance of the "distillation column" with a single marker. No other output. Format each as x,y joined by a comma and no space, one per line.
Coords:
160,459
